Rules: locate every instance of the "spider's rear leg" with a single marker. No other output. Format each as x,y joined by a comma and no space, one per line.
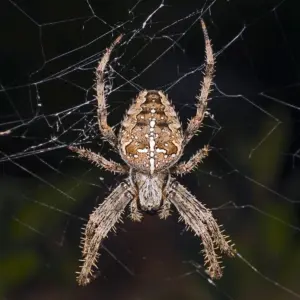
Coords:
106,131
196,121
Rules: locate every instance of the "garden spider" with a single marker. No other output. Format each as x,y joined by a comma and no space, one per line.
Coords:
150,142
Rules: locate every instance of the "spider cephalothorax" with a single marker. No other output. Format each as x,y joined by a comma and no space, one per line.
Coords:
151,142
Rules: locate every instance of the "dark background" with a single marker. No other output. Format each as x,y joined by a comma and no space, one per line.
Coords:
49,50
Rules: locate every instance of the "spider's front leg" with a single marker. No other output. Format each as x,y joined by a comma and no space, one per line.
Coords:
107,131
201,105
101,221
200,220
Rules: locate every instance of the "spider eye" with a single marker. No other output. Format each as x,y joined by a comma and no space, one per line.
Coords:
152,212
150,205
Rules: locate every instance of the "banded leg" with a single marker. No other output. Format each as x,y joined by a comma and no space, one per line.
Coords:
188,166
100,161
101,221
106,131
196,121
200,220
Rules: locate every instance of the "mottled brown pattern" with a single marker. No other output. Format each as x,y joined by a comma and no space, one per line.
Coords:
136,131
150,142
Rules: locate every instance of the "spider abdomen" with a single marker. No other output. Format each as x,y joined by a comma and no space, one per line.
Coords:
151,136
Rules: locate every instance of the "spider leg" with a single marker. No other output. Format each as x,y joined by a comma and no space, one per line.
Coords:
107,131
196,121
101,221
100,161
187,166
200,220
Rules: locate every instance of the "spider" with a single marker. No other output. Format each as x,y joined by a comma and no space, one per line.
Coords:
150,142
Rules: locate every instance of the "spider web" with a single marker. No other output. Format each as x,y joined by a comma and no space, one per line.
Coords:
49,51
